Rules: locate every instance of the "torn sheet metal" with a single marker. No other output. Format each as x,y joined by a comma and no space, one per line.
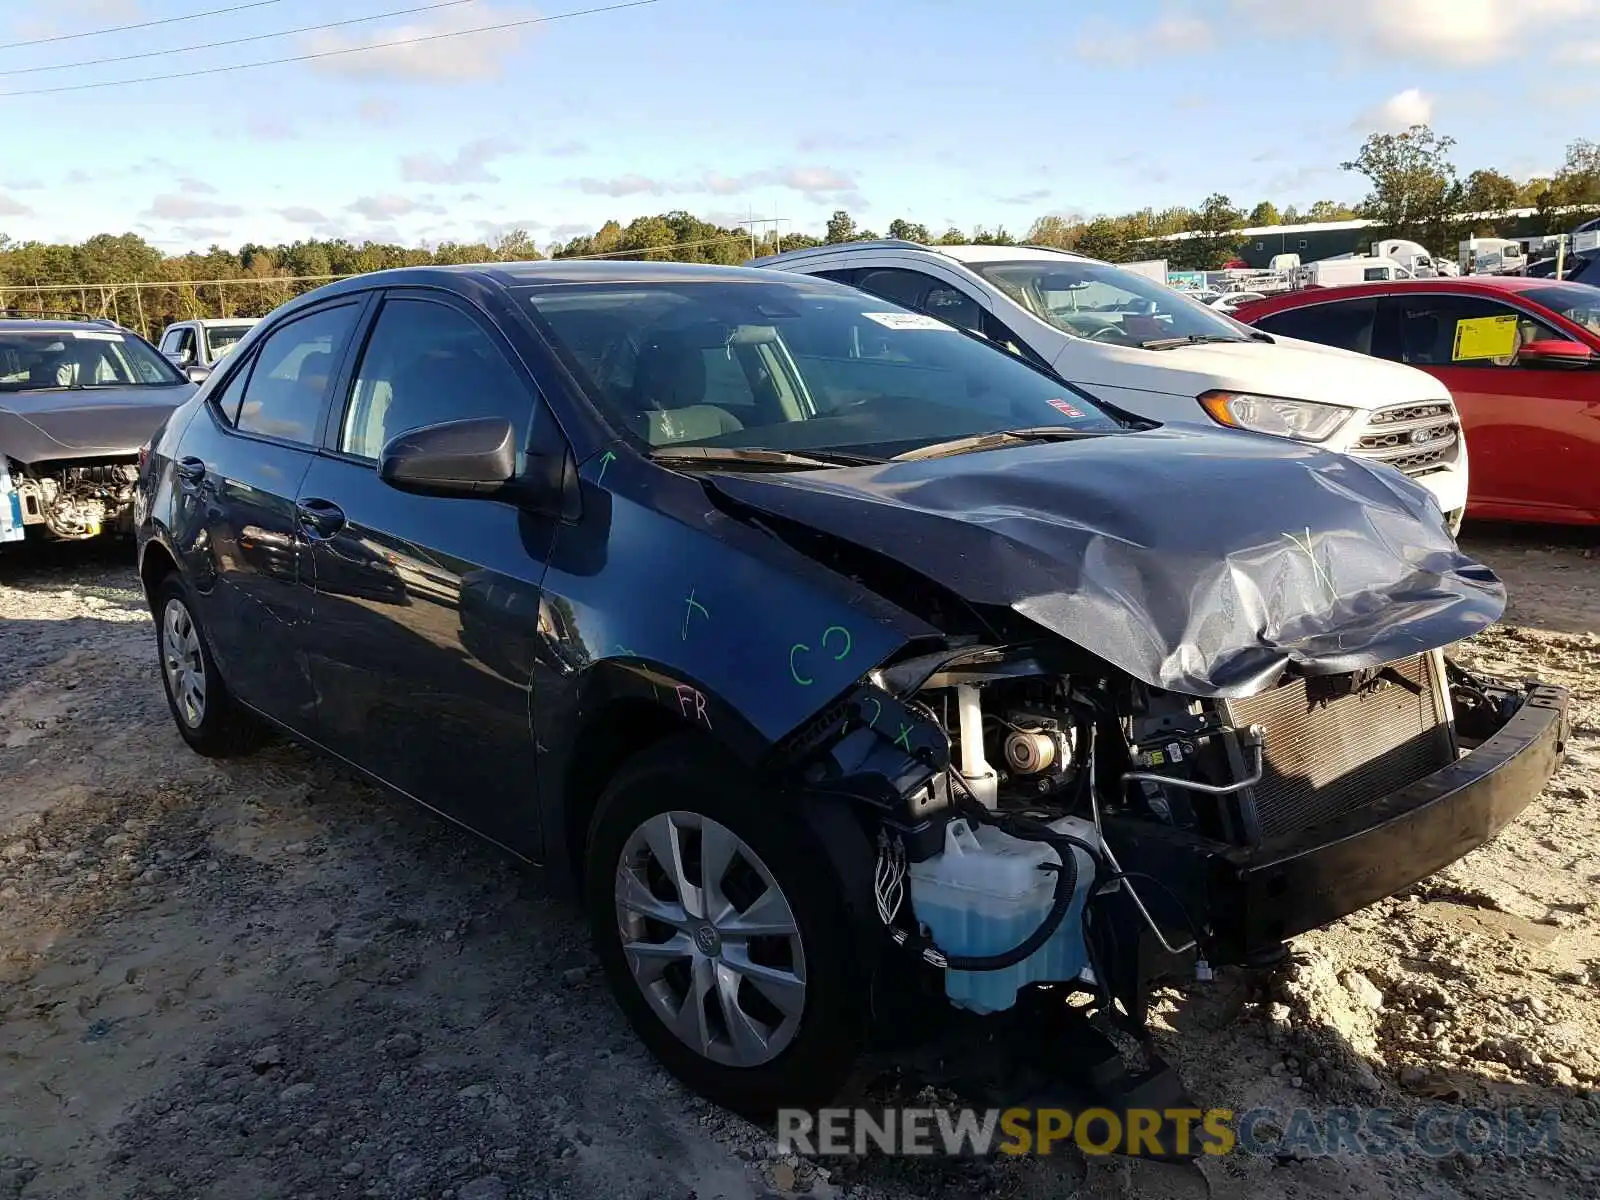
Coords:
1204,562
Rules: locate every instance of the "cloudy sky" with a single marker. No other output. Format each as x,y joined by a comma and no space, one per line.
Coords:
942,111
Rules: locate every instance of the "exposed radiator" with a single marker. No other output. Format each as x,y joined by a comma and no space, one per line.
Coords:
1325,758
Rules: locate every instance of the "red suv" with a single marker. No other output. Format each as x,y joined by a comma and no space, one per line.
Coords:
1521,356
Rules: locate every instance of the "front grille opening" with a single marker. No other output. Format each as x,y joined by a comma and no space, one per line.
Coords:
1413,438
1325,759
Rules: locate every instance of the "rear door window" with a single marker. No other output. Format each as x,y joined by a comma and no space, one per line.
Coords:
293,372
1345,325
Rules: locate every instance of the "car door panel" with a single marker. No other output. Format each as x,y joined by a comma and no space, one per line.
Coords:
426,607
235,527
1532,431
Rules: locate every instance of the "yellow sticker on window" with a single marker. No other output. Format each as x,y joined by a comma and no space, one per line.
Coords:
1485,337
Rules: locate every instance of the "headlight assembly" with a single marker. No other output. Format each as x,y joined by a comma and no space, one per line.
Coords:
1303,420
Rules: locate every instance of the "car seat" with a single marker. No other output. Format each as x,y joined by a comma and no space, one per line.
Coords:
667,400
1419,339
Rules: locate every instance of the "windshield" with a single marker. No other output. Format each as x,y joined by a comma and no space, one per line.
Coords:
79,358
793,365
1104,303
222,338
1577,302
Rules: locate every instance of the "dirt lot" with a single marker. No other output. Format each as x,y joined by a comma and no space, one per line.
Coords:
266,980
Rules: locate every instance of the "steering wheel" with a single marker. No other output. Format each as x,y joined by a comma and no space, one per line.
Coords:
1099,335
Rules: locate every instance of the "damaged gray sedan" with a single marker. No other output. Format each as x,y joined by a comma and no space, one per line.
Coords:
848,668
78,398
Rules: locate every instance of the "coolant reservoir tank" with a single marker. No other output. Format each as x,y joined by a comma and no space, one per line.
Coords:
985,893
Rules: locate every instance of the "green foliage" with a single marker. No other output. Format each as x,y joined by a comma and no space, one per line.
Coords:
1104,238
1415,192
1578,181
1265,213
909,231
1328,210
841,228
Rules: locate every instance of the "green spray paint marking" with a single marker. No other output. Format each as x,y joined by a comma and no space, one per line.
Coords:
606,460
1311,553
903,738
877,711
802,680
688,612
839,629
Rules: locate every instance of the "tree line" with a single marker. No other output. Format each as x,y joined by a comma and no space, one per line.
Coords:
1414,190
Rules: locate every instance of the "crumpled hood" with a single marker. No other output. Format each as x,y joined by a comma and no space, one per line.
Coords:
1203,562
92,423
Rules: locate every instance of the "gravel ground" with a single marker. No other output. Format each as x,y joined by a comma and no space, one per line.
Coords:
266,979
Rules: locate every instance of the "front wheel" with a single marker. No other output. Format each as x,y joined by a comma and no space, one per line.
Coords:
723,932
207,715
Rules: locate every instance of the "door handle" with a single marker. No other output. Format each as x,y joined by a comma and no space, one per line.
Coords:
190,469
320,518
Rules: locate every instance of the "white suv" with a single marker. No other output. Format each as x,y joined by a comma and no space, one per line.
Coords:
1153,351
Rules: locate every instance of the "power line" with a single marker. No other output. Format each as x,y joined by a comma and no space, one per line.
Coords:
69,37
238,41
275,62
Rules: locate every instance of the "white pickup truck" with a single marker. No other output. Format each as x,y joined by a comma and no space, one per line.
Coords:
196,347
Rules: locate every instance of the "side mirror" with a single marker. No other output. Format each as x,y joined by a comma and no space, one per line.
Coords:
180,358
475,457
1553,352
197,374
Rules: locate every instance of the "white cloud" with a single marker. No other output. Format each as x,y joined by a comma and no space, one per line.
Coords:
299,214
1032,197
623,185
1398,113
54,17
375,110
1176,31
268,129
196,187
815,183
1457,32
383,208
566,150
199,233
175,207
13,208
387,206
470,164
453,57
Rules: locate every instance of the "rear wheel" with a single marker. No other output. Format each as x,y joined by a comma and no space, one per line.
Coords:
208,717
723,932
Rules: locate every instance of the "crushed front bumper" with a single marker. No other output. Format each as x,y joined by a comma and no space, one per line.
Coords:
1254,897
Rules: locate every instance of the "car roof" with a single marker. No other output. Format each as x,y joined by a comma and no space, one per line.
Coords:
1462,285
962,253
549,273
208,322
55,325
